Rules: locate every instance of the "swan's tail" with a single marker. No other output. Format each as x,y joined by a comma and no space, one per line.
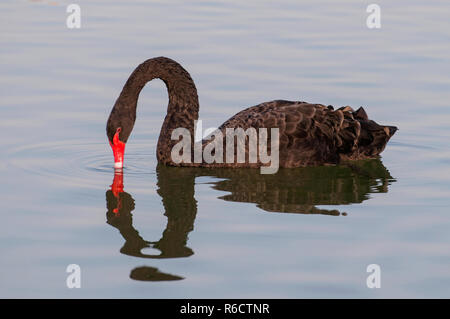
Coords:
365,138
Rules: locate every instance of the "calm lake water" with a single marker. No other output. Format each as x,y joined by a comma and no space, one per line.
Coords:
302,233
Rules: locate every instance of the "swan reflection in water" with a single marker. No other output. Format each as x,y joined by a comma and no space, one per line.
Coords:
294,190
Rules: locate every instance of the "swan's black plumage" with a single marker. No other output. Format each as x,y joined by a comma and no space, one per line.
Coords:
310,134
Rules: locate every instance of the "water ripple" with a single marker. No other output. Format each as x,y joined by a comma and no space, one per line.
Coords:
78,160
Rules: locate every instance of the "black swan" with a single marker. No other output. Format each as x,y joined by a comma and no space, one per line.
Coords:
309,134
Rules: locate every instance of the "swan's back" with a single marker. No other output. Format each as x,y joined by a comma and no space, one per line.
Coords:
315,134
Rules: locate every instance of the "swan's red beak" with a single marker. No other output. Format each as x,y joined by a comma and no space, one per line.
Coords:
118,148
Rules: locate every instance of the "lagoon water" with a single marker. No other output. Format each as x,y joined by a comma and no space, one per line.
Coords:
185,233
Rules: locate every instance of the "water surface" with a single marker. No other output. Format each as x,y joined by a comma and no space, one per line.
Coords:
194,233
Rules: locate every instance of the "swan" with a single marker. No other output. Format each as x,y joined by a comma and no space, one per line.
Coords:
309,134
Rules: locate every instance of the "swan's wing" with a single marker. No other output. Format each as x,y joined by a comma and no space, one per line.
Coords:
314,134
306,131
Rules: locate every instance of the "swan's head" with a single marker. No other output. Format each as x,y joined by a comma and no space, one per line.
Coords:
118,148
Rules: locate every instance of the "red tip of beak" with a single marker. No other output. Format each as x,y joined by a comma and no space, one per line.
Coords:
118,148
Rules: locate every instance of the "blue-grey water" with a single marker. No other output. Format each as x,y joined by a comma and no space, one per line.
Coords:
302,233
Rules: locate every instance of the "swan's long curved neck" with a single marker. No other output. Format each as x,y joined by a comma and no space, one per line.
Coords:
182,110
